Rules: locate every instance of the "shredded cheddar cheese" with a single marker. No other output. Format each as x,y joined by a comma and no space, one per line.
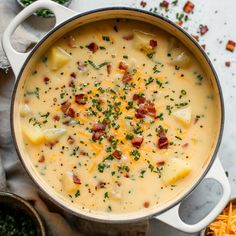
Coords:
225,223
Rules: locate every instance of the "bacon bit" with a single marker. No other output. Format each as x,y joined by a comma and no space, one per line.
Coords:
163,142
164,4
230,45
51,144
203,29
72,42
135,97
137,141
109,68
97,135
196,37
109,138
46,80
123,66
227,63
56,118
71,83
146,204
141,112
185,145
100,184
126,77
203,46
99,127
139,99
76,179
65,106
126,175
73,75
161,132
41,159
146,108
71,112
83,153
128,37
70,140
160,163
150,108
153,43
100,101
93,47
143,4
180,23
117,154
79,99
188,7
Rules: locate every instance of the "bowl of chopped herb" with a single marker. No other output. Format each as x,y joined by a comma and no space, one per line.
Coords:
45,13
18,217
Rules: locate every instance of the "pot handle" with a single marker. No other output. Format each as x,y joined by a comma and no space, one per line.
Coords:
15,58
171,217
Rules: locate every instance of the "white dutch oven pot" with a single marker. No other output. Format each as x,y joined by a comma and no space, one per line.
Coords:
67,20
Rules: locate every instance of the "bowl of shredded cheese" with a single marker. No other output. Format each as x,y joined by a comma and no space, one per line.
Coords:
224,224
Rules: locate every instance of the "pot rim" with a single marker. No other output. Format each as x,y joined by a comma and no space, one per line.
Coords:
212,159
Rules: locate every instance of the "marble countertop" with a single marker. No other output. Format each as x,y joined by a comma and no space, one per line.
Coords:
219,17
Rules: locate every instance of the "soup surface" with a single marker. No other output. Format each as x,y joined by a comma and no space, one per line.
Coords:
118,116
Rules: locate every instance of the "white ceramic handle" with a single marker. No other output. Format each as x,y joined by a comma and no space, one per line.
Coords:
171,217
15,58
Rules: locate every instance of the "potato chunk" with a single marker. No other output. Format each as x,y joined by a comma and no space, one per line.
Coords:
33,134
182,59
53,134
24,110
174,170
58,57
142,41
67,182
183,115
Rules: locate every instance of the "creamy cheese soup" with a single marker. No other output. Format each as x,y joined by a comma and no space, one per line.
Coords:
118,116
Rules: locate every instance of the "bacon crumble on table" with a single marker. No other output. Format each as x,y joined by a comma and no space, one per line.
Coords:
203,29
164,4
143,4
227,63
230,45
188,7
